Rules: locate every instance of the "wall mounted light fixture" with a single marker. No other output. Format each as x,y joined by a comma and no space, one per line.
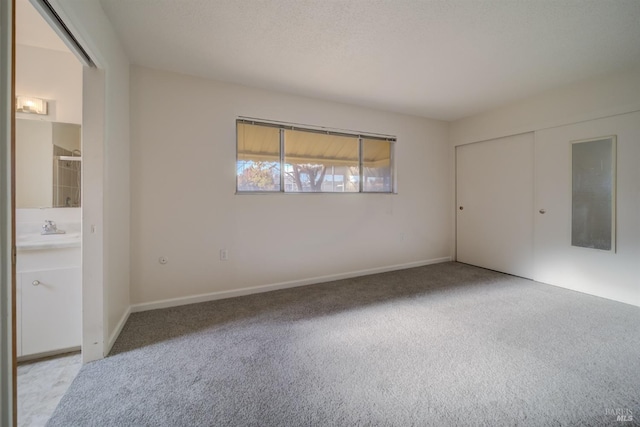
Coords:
25,104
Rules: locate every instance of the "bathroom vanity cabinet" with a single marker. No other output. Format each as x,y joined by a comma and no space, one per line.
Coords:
49,299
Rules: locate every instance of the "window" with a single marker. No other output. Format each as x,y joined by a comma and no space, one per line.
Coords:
258,165
283,158
376,162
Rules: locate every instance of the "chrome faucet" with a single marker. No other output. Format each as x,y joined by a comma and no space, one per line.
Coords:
50,227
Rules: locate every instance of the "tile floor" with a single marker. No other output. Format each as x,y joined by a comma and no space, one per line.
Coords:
41,384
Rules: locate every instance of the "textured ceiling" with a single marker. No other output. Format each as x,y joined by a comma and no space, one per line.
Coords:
440,59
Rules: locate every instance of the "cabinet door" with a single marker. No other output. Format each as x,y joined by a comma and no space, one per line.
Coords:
51,310
494,193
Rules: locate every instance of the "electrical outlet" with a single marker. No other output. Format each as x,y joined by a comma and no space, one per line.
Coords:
224,255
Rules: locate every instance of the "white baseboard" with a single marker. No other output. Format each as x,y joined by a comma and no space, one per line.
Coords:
174,302
116,332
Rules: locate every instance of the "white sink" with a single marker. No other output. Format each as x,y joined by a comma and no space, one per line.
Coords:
28,242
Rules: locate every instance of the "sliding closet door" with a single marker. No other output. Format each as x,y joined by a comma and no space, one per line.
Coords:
587,209
494,192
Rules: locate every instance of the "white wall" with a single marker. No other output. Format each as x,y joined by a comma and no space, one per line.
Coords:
585,100
184,206
595,108
106,203
52,75
34,164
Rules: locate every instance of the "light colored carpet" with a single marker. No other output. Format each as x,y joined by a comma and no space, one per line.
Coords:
441,345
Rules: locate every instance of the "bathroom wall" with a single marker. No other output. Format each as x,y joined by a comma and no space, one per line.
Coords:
52,75
34,163
183,205
57,77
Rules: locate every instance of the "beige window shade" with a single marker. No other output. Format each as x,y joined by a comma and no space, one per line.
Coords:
316,148
258,143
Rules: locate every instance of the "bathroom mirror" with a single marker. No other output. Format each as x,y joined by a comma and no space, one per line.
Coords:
48,164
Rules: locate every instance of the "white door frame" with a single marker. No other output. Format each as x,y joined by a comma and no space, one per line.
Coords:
94,334
7,297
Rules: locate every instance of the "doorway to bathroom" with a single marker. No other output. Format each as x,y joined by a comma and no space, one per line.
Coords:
48,213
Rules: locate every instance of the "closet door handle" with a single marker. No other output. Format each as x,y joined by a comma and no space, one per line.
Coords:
35,282
542,211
